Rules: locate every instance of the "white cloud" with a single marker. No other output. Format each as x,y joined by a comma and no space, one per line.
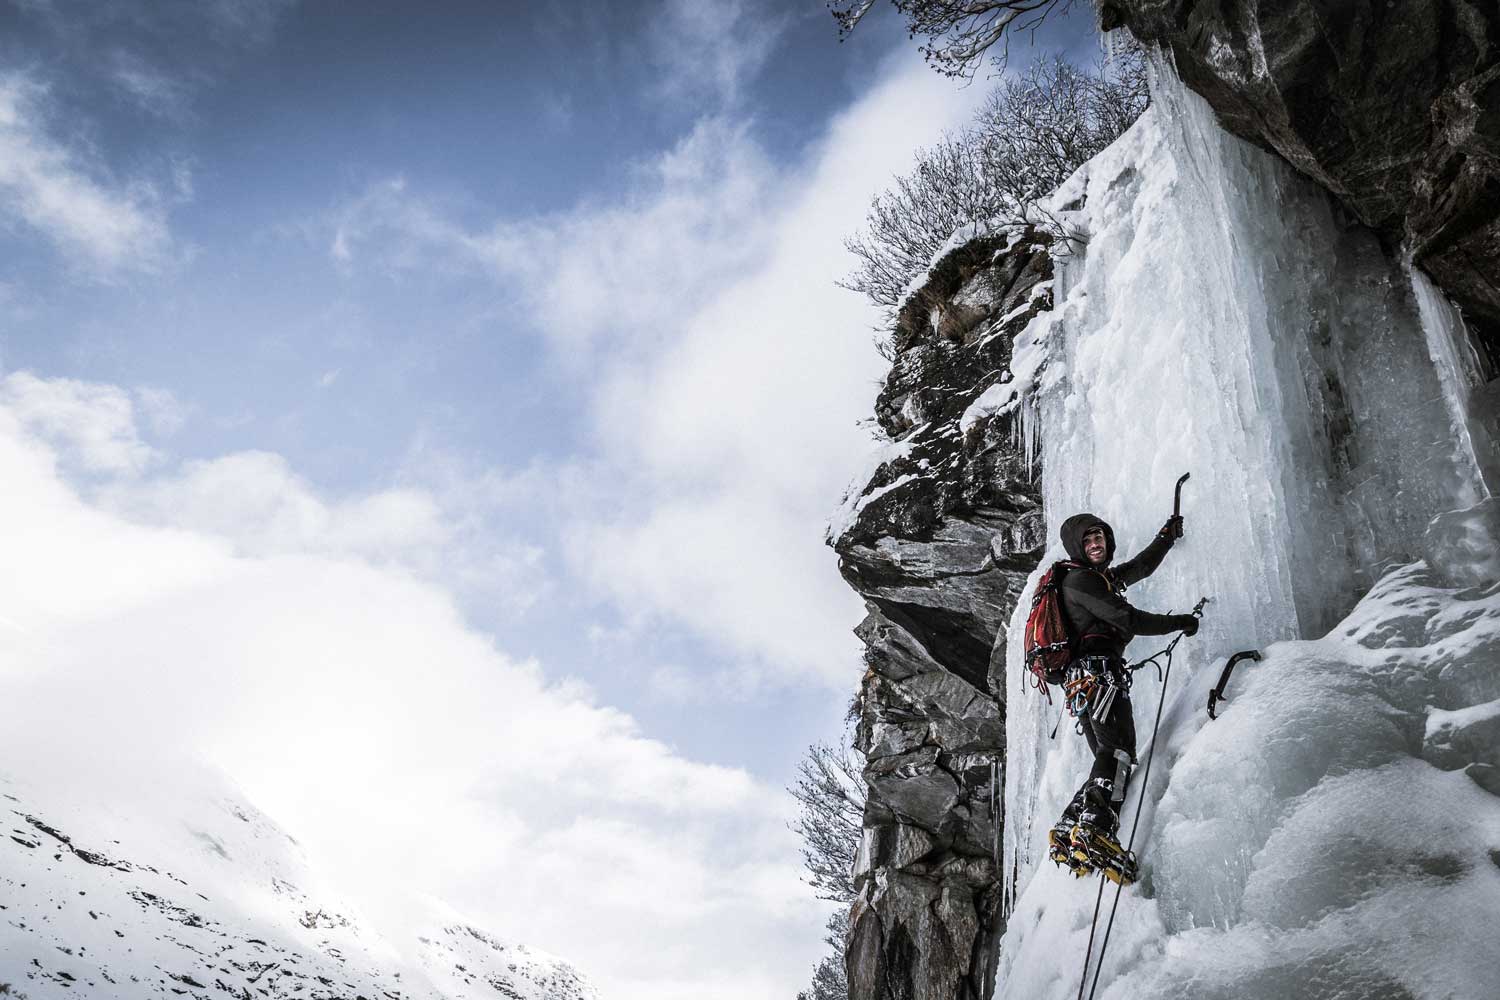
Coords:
405,749
151,89
736,429
103,227
241,22
725,371
438,521
254,501
690,222
162,410
93,425
707,52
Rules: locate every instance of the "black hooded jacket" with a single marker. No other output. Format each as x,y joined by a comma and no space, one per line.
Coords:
1100,621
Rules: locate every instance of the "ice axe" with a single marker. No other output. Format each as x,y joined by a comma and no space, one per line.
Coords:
1177,500
1217,694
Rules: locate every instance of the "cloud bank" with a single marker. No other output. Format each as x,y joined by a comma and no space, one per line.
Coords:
724,372
352,702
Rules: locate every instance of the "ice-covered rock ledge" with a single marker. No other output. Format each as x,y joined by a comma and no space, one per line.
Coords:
1332,835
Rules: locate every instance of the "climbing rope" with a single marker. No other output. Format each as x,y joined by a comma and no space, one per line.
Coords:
1163,675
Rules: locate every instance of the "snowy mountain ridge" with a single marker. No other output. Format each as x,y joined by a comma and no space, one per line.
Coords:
195,893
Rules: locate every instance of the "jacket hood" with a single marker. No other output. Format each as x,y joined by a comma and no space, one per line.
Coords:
1073,530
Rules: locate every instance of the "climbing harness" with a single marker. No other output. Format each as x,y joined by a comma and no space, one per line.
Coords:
1090,687
1165,674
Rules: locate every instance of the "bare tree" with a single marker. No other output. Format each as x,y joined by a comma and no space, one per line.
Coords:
1040,126
830,981
1034,131
830,791
911,221
959,32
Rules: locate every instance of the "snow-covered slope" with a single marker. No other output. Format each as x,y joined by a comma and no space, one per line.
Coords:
1337,833
187,890
1332,835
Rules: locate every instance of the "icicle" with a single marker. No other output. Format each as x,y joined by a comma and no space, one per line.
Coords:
1458,369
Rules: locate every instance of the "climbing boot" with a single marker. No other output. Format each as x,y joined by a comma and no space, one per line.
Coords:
1101,848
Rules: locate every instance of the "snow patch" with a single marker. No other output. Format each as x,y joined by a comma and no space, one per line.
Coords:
1441,721
855,499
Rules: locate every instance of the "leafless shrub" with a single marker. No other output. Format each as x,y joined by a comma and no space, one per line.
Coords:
830,982
1033,132
830,791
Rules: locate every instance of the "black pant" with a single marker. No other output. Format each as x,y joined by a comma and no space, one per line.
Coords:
1109,737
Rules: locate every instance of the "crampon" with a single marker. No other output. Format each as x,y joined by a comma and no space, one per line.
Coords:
1061,852
1100,851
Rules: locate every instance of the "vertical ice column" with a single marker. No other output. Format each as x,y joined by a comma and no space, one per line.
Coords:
1224,319
1447,342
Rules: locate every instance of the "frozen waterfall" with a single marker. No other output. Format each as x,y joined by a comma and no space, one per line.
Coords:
1223,318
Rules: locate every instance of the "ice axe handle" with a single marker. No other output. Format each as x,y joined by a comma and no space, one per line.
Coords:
1177,495
1217,694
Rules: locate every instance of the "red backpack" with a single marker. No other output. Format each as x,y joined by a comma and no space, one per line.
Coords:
1048,647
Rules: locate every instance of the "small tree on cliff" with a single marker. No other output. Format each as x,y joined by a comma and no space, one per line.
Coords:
830,792
830,980
959,33
1032,133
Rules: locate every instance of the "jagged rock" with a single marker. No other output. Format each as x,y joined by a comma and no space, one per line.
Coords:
1466,736
911,939
914,786
1393,107
893,845
953,591
939,543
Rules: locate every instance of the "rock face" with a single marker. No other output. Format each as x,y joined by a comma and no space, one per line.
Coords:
939,543
1394,107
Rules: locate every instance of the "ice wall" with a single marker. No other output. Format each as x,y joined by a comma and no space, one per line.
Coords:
1222,319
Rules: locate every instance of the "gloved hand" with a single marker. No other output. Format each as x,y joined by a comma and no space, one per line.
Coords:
1172,530
1188,624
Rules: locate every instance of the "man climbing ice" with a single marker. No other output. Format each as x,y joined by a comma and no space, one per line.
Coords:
1097,685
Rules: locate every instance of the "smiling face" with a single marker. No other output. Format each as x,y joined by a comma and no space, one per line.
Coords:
1095,546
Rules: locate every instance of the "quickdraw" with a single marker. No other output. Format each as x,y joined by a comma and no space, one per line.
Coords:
1093,684
1079,692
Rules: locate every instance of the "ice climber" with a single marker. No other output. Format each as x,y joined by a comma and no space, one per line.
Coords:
1097,685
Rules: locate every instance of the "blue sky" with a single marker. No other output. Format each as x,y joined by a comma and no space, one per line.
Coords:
531,304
